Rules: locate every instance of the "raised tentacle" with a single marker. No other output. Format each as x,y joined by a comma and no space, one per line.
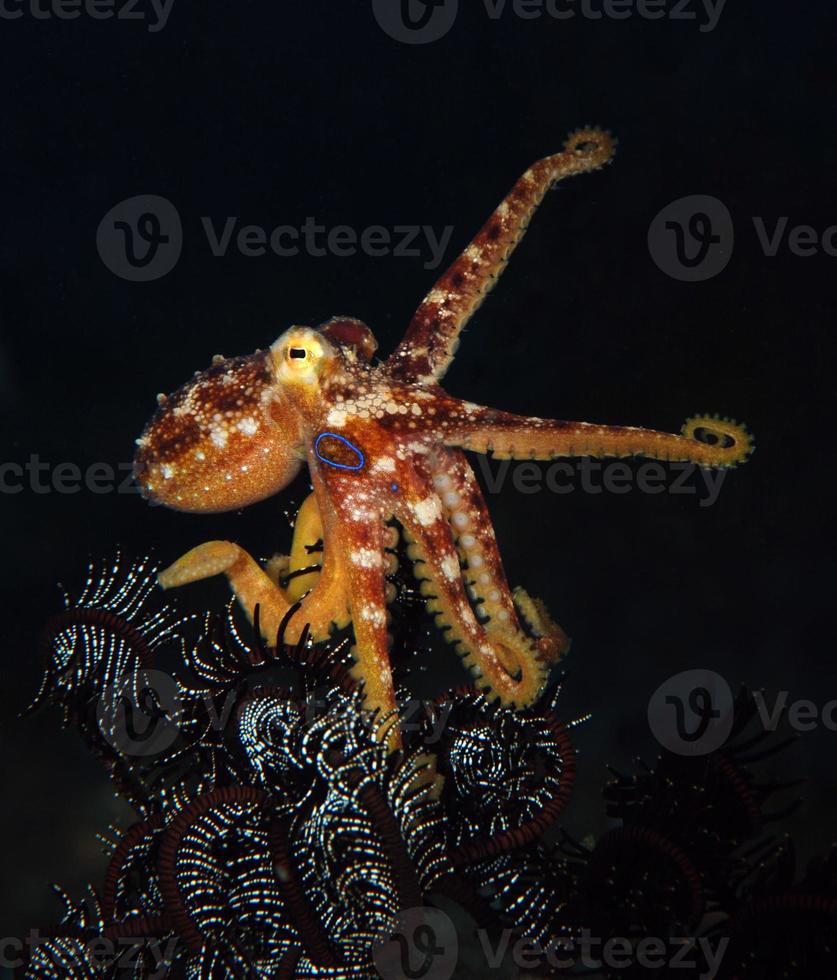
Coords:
705,440
432,337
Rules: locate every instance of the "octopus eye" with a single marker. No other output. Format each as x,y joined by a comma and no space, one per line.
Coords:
300,359
299,355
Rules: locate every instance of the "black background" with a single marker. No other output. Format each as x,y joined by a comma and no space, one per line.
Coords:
273,112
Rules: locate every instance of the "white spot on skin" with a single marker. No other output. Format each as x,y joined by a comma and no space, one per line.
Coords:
416,448
373,615
450,568
336,418
367,558
248,426
427,511
384,464
219,436
167,471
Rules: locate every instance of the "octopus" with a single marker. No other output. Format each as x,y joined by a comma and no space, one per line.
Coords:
385,446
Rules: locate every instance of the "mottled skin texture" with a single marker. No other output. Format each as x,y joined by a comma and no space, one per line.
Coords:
241,430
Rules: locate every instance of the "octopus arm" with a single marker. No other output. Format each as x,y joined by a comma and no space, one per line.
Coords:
354,515
326,603
302,567
507,663
432,337
500,608
704,440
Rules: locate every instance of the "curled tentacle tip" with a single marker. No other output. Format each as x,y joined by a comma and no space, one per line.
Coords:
593,145
724,442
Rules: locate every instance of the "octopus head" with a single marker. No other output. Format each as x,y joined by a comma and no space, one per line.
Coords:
229,437
237,432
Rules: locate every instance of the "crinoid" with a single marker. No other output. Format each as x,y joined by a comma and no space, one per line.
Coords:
690,835
100,655
785,926
110,630
278,836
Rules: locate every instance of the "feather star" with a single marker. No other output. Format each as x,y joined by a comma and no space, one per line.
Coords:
384,442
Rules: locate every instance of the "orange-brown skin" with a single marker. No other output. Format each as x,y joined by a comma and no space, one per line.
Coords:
241,430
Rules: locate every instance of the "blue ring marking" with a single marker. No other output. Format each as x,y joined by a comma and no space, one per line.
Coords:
349,445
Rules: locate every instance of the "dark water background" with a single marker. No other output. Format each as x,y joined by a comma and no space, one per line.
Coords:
275,112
